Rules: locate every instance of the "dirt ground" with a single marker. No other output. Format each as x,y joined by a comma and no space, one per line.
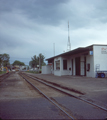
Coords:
50,92
94,89
18,100
14,87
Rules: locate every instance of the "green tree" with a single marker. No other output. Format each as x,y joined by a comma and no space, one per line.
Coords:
37,60
41,60
16,62
34,62
0,59
4,59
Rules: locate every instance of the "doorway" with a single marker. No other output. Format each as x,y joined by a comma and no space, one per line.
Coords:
77,65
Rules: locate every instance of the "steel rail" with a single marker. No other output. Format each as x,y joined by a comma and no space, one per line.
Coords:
49,98
70,94
4,76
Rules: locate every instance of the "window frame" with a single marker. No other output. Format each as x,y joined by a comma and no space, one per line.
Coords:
58,65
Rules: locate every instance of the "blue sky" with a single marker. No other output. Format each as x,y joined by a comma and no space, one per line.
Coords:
30,27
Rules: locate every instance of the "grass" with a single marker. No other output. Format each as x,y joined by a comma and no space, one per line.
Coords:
1,72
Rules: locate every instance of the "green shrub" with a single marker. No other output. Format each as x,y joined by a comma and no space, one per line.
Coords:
1,72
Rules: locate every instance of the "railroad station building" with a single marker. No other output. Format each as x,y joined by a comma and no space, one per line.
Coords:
83,61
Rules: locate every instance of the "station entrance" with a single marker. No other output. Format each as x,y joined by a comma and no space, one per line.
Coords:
80,66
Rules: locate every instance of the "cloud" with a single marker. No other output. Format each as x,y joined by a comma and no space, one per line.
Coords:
30,27
41,11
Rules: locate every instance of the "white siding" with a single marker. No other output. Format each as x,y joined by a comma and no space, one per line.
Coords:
74,66
65,72
100,57
89,60
82,65
46,69
57,72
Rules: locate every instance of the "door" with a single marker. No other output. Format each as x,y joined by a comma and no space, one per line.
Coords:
77,66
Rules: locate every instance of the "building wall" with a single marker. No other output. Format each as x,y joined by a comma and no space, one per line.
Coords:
65,72
61,71
52,69
69,65
100,58
46,69
90,60
57,72
72,65
82,65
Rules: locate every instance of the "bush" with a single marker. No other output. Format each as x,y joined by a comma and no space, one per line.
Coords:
1,72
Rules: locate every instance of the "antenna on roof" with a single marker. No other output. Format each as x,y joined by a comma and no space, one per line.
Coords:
68,44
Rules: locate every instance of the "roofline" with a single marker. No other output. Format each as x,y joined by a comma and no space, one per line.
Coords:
63,53
88,47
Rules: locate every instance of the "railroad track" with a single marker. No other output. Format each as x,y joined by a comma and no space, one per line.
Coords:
69,90
4,76
31,80
32,83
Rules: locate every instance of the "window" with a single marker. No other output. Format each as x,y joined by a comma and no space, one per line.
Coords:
58,65
64,64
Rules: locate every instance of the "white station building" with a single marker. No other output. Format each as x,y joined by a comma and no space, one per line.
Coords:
83,61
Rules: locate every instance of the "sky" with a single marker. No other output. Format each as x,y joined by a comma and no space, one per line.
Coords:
30,27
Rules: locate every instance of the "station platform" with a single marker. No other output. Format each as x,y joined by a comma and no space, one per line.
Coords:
94,89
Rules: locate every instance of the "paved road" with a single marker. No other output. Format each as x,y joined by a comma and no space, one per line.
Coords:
81,110
30,108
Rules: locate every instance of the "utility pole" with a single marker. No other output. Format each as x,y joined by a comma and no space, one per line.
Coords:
68,44
54,48
39,62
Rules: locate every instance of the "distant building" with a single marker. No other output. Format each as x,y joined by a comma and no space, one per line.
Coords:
24,67
83,61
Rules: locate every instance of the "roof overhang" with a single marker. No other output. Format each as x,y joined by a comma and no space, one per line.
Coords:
80,50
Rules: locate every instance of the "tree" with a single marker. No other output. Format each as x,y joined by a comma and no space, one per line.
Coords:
16,62
4,59
41,60
0,59
37,60
34,62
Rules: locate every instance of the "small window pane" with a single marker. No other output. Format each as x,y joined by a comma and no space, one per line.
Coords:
58,65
